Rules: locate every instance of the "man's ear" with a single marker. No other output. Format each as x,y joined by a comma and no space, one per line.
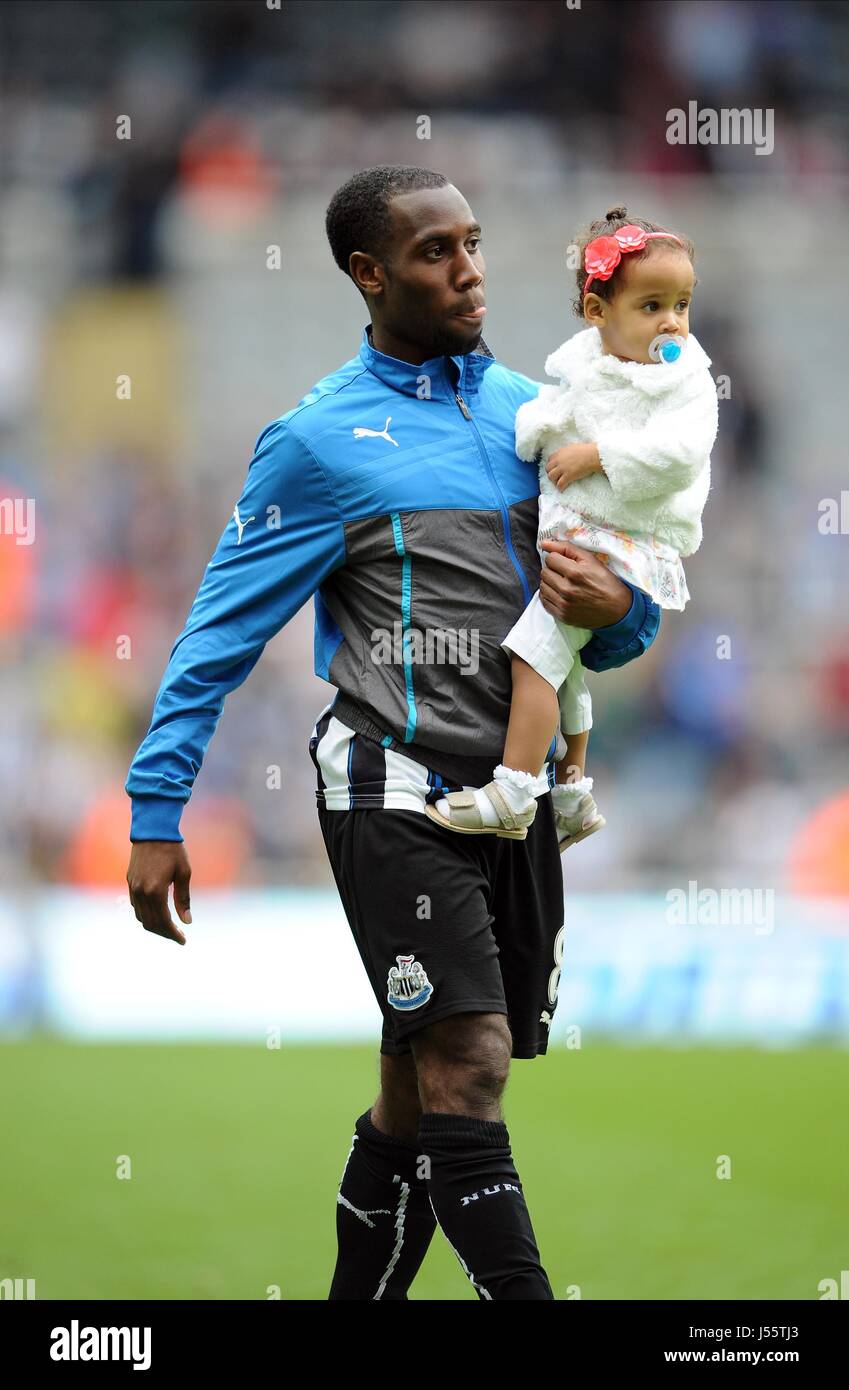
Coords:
366,273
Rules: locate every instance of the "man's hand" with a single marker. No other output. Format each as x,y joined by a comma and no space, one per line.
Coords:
577,587
154,866
572,462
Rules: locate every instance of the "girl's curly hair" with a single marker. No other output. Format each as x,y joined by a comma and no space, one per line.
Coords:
611,222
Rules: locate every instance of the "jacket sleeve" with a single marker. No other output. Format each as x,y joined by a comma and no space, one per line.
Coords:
669,453
619,643
292,538
539,419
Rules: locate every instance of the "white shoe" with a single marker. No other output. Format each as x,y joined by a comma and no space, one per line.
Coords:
464,814
584,820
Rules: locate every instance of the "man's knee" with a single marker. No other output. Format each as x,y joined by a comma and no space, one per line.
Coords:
399,1078
463,1062
397,1109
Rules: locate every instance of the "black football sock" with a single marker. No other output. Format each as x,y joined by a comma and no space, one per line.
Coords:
384,1220
478,1200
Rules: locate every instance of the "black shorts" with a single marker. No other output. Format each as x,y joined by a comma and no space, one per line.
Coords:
447,923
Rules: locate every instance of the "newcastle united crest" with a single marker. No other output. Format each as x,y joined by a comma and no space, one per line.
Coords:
409,986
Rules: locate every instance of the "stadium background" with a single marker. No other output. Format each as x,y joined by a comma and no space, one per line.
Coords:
230,1073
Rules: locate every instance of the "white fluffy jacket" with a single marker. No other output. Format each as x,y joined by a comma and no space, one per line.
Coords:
654,426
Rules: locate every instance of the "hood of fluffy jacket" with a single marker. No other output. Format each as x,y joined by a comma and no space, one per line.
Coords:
581,358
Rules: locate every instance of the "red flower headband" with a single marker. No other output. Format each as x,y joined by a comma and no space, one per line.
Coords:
603,255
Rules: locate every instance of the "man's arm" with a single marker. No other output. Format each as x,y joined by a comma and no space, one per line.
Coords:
622,641
288,538
579,588
291,539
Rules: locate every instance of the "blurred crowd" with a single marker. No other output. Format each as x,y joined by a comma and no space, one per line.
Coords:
153,151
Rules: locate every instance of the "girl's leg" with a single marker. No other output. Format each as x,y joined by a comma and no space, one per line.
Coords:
535,716
572,766
575,812
534,719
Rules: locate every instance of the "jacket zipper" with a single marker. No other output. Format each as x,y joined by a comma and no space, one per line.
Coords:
505,515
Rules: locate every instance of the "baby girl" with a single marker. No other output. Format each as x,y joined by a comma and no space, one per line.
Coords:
624,447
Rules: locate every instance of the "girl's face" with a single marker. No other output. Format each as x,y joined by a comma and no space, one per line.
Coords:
652,296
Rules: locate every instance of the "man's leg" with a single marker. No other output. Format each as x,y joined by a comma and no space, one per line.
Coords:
384,1220
418,903
462,1063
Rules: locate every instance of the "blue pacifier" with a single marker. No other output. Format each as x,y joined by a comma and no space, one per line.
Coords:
666,347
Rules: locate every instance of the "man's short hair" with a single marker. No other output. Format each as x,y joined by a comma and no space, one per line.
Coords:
358,216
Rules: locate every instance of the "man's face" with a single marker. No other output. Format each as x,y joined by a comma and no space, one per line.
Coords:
431,285
653,296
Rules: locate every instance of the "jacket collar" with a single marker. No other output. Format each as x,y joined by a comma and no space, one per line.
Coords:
448,375
581,358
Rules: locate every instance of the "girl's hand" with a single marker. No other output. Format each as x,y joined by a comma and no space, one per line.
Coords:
572,462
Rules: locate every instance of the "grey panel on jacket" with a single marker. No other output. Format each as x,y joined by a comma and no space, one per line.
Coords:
465,596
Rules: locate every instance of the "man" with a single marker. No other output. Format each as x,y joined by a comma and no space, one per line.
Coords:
393,494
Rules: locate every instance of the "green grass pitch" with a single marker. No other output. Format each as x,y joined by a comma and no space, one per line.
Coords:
237,1152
